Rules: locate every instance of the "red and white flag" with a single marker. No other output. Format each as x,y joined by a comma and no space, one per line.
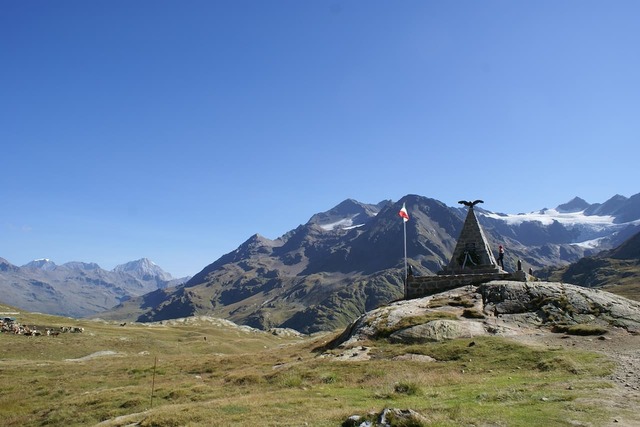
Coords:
403,213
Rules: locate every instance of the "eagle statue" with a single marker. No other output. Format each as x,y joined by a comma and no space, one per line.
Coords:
470,204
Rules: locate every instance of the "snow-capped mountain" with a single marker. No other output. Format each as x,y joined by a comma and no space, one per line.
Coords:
591,226
348,214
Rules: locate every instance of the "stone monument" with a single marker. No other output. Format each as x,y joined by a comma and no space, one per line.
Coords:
472,263
472,253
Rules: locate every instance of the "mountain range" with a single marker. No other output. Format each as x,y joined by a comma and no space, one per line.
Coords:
78,289
348,260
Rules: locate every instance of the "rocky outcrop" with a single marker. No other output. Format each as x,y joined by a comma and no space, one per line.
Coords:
555,303
495,308
438,330
387,418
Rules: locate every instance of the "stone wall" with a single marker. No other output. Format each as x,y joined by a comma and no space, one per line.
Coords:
422,286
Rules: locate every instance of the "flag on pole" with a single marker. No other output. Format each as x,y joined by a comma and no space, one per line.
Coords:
403,213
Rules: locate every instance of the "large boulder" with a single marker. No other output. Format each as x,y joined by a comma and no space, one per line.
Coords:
498,307
438,330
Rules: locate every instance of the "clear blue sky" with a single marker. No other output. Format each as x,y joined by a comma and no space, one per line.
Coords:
174,130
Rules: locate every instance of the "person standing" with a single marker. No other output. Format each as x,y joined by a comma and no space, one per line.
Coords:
501,256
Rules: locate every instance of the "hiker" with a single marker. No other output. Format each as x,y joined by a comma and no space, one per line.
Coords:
501,256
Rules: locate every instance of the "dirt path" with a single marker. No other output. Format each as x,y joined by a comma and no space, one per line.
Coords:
624,399
623,348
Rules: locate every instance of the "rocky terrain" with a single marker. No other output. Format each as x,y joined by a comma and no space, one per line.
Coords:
499,308
534,313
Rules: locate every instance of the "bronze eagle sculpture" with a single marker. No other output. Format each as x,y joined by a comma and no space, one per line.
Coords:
471,204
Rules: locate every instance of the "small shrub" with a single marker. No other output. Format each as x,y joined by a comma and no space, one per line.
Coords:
246,379
132,403
580,329
559,328
329,378
288,380
406,422
405,418
461,302
586,330
506,395
471,313
562,363
234,409
408,388
383,395
179,394
454,302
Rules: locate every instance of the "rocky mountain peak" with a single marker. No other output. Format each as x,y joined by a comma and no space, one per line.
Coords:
610,207
7,266
255,244
144,269
574,205
41,264
347,214
78,265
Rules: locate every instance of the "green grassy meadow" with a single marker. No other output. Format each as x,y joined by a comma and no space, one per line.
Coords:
247,378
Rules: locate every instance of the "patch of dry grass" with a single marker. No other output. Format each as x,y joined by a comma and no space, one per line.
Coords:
243,378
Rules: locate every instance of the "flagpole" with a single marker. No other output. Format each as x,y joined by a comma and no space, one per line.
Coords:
405,217
404,225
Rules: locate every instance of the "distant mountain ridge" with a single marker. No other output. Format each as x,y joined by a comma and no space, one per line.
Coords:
41,264
574,205
145,269
349,259
78,289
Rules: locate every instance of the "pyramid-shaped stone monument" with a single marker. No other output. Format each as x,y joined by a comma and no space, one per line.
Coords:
472,263
472,253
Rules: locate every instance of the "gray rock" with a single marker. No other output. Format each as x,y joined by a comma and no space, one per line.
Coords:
438,330
561,302
386,418
415,357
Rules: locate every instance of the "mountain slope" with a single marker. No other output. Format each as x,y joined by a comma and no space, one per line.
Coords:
616,270
315,277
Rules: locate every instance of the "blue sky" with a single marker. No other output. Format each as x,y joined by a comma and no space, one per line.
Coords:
175,130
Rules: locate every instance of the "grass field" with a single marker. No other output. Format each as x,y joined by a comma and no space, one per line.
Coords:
204,374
